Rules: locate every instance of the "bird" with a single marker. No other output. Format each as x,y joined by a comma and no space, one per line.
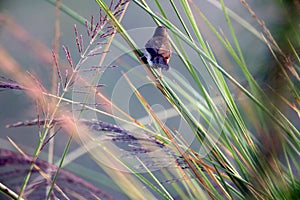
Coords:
159,49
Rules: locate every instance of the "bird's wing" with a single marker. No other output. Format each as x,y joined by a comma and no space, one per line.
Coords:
148,44
159,46
154,43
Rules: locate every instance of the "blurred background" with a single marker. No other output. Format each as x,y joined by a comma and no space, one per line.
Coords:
27,34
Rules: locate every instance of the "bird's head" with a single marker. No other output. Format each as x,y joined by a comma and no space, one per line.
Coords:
160,31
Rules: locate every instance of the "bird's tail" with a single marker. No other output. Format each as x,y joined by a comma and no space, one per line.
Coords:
160,62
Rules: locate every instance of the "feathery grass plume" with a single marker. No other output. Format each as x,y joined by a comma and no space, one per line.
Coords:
34,88
14,167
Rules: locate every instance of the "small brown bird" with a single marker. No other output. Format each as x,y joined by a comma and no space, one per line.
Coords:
159,49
